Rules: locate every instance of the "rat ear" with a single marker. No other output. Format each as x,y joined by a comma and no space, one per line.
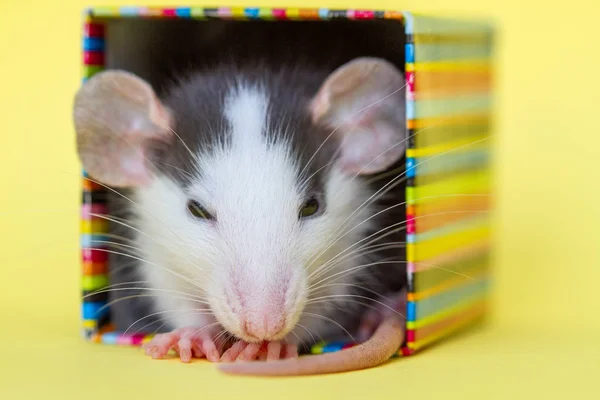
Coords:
363,100
117,116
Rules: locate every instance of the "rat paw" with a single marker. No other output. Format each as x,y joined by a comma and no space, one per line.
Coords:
393,305
266,351
187,342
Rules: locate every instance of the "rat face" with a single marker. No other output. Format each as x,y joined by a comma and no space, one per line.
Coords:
247,206
251,222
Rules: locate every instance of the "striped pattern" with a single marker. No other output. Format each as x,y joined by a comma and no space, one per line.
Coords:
448,176
94,230
448,189
239,13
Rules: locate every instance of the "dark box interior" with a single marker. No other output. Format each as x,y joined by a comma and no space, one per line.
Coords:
158,50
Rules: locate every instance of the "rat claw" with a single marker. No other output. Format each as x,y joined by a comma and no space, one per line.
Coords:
226,357
191,343
197,351
273,351
291,351
269,351
187,342
210,350
233,352
185,349
152,351
262,355
250,352
160,345
158,349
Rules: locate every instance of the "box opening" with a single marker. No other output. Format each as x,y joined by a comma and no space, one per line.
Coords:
157,50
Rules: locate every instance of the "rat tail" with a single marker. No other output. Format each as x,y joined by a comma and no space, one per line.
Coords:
386,341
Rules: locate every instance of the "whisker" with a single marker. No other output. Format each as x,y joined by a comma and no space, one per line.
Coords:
445,269
330,320
116,244
307,331
345,309
158,313
183,143
384,175
153,322
341,226
114,236
362,251
358,296
121,265
150,263
319,170
110,303
303,327
123,284
362,266
402,175
205,328
312,290
126,225
177,168
142,208
356,226
221,336
333,264
187,295
395,181
402,223
352,115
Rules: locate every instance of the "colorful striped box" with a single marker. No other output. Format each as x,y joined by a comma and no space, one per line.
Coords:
449,118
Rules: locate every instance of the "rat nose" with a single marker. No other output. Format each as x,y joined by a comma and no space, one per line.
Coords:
265,326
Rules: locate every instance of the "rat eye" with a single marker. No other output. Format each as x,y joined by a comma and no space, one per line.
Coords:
310,207
197,210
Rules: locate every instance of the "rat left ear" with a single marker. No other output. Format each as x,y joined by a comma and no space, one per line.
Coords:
117,118
364,101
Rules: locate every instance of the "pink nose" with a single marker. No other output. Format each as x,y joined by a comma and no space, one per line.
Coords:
263,327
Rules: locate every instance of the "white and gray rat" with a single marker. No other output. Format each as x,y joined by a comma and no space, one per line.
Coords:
257,206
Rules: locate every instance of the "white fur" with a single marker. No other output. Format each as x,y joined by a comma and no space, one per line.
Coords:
250,264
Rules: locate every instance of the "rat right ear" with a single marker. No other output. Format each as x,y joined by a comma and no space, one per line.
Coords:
117,116
363,103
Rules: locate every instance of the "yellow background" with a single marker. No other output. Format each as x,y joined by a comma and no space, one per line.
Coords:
546,323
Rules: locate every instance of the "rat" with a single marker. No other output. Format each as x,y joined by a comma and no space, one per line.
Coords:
262,207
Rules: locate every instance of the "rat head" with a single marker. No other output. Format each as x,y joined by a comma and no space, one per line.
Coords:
244,192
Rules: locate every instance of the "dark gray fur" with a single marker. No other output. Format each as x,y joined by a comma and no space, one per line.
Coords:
292,77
